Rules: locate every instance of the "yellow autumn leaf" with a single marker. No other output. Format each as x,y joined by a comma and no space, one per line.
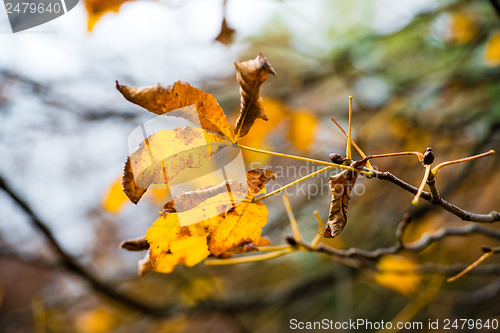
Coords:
462,29
167,229
160,99
242,224
98,320
97,8
491,54
161,157
188,251
397,272
275,111
303,126
115,199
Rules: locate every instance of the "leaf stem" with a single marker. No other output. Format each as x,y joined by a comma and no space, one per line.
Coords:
295,157
474,264
368,164
293,183
439,166
348,148
293,222
317,239
421,188
416,153
273,248
247,259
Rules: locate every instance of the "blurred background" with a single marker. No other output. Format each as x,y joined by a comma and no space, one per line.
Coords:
422,72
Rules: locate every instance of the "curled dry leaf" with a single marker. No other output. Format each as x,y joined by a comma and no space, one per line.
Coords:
161,157
160,99
250,75
341,187
257,180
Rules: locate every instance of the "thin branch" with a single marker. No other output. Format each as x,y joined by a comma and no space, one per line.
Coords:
496,6
493,216
421,244
69,263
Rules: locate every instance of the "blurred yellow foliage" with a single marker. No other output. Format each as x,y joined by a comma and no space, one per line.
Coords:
301,133
462,29
199,289
303,125
397,272
275,111
97,8
491,54
98,320
115,199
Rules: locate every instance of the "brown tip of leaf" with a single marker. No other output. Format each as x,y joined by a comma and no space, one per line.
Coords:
118,85
267,66
328,232
135,244
130,187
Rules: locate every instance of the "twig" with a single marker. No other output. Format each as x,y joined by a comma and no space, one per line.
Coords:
69,263
493,216
421,244
496,6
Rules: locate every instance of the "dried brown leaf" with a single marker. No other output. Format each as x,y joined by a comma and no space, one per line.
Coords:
341,187
160,99
250,75
257,180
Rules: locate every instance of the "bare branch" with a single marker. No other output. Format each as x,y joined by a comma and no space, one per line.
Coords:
493,216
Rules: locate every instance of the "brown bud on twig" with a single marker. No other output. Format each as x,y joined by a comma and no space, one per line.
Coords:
291,240
428,156
486,248
336,158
